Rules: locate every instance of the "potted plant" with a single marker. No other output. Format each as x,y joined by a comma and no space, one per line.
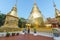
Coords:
34,30
8,34
17,33
13,34
55,33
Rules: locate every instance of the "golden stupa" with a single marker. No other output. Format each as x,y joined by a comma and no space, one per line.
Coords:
57,13
36,18
12,19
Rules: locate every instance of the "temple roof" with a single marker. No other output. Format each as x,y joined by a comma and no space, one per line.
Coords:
35,13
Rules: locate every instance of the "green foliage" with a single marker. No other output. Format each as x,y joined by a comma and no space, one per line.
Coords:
54,30
22,22
2,19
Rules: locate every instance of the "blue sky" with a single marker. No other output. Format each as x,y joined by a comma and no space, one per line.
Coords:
25,6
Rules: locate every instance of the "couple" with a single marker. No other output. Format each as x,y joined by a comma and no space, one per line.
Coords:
26,30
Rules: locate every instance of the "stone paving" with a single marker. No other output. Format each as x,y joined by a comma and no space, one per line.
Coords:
26,37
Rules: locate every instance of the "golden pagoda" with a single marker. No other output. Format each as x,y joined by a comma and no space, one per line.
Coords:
12,19
36,18
57,13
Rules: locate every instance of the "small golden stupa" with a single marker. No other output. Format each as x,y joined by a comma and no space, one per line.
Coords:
57,13
12,19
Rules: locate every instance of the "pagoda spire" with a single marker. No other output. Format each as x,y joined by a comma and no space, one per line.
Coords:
54,4
16,3
57,12
34,1
35,13
13,12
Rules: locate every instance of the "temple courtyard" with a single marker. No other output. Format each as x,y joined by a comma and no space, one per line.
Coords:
26,37
35,27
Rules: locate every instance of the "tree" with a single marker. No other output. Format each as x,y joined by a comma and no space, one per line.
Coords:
22,23
2,19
